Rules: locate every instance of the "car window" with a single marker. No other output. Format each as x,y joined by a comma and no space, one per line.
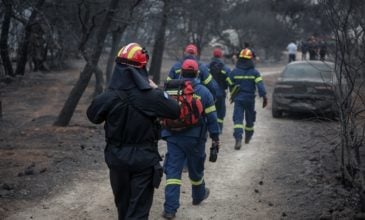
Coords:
309,70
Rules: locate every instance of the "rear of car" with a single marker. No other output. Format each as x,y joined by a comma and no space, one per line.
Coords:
305,86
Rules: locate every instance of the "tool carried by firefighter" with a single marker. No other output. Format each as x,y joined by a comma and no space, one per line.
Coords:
191,108
234,92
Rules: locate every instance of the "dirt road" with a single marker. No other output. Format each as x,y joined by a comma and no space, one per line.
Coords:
288,171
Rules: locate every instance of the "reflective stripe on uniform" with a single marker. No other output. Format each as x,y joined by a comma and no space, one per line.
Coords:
173,182
196,96
220,120
168,78
210,109
238,126
244,77
178,71
248,128
208,79
223,72
196,183
229,81
173,92
258,79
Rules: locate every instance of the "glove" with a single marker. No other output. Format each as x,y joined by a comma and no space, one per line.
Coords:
213,155
264,102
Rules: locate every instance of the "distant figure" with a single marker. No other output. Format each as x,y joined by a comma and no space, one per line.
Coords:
312,49
304,49
292,51
322,50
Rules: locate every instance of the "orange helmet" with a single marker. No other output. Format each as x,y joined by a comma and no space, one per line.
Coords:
189,68
134,55
191,49
246,54
217,52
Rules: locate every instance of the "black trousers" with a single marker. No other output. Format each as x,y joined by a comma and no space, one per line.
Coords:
133,192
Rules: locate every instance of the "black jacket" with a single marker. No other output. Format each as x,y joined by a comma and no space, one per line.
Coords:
130,120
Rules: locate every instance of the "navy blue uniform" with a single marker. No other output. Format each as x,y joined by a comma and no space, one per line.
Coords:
205,78
248,78
220,73
189,145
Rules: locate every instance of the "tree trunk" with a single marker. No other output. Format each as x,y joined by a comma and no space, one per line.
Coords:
23,50
159,45
4,50
77,91
99,81
116,37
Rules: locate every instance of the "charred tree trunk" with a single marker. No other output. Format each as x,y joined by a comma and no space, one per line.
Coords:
116,37
159,45
77,91
99,81
23,50
4,49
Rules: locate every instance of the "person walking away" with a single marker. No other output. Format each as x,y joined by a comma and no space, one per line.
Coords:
292,51
191,52
304,49
220,73
131,153
322,50
313,49
246,78
188,144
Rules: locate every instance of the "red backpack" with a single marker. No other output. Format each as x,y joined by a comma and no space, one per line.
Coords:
191,108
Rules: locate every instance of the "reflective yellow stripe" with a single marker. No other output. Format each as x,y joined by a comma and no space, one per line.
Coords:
196,96
133,51
238,126
178,71
172,92
196,183
229,81
173,182
258,79
220,120
223,72
168,78
208,79
248,128
244,77
210,109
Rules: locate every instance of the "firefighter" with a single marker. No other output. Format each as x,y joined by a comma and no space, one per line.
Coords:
220,73
189,145
131,153
191,52
245,79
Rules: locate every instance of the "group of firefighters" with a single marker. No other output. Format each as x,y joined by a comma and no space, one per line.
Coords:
132,106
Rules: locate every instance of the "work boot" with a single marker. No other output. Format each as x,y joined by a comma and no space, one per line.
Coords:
197,202
238,143
166,215
247,139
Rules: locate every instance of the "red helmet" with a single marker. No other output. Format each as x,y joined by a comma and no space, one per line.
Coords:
189,68
191,49
217,52
134,55
246,54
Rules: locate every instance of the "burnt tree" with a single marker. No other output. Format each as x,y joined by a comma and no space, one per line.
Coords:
4,49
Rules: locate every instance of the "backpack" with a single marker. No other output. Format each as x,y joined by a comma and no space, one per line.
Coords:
191,108
216,71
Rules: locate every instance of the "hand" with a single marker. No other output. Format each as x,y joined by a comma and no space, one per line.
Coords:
152,84
264,102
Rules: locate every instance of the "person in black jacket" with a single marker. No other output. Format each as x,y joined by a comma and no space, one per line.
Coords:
130,108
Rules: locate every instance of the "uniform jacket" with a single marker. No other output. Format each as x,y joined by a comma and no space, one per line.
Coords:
130,125
209,120
248,78
204,75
